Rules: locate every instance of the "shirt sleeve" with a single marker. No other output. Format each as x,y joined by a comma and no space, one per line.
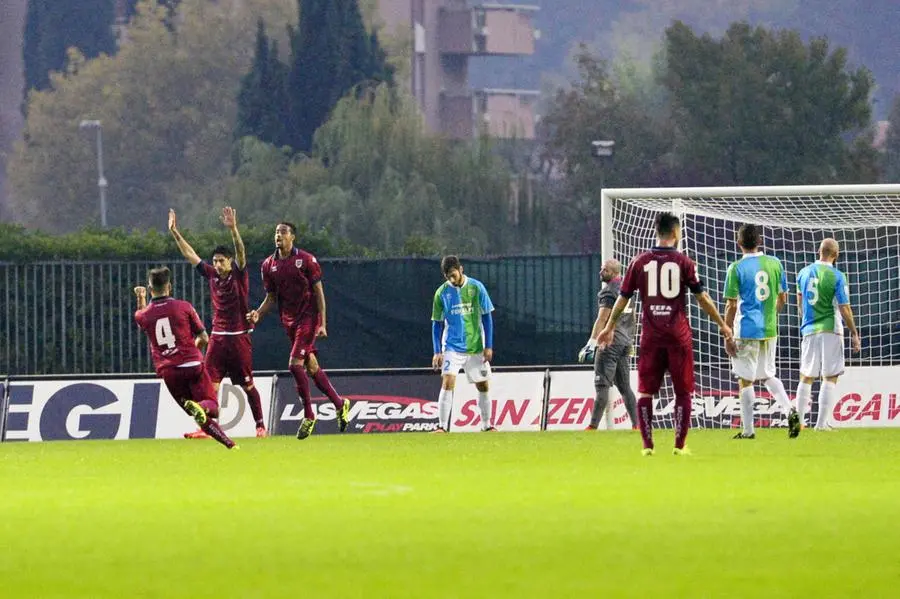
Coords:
732,289
268,282
437,307
484,300
205,269
840,290
606,298
313,270
196,324
689,270
630,282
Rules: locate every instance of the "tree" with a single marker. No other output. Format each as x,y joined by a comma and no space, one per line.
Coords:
892,145
332,53
263,100
51,28
167,101
761,107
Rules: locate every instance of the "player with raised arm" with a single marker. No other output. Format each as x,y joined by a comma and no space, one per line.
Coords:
662,275
230,351
755,292
293,279
612,364
176,335
462,336
824,308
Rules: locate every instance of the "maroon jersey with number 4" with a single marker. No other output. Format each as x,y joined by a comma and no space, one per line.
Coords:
229,298
171,325
662,276
291,279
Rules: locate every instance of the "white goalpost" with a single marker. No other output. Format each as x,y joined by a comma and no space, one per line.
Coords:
864,219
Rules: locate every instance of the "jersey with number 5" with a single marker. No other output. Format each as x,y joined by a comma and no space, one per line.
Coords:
171,325
822,288
755,281
662,276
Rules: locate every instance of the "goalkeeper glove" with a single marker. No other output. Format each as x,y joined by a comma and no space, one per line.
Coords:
587,352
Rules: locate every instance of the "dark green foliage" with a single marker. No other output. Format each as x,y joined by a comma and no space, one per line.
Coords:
52,27
20,245
892,145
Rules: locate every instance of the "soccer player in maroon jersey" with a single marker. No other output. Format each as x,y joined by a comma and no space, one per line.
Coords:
293,280
176,334
661,275
230,351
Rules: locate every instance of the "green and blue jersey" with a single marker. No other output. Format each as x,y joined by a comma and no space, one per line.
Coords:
462,308
755,281
822,288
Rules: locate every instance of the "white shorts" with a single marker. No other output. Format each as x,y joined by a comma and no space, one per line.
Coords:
477,370
755,359
822,355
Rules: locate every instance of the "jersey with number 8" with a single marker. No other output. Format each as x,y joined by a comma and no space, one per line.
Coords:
662,276
171,326
755,282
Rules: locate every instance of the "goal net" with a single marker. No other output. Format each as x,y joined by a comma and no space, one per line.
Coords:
865,220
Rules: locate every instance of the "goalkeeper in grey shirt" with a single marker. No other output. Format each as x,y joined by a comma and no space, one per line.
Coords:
612,364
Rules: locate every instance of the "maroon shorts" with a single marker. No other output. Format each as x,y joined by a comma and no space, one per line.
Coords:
231,356
655,359
303,337
189,383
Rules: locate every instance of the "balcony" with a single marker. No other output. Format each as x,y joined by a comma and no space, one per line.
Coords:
500,113
487,30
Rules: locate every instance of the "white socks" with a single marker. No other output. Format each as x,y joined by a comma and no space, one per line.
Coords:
826,402
776,388
748,397
445,405
484,405
804,392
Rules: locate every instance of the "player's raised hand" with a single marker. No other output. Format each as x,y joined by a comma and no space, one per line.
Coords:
229,217
140,291
856,343
253,316
436,361
173,224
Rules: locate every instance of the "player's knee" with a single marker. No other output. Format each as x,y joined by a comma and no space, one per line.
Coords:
448,383
295,362
807,380
248,386
482,387
831,379
744,383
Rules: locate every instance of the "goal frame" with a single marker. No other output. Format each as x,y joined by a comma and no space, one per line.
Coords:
675,194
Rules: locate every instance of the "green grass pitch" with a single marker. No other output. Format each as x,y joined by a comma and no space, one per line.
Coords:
467,515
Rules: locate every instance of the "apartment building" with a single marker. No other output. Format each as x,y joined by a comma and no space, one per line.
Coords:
445,35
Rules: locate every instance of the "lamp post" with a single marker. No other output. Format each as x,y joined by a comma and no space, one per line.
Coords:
87,125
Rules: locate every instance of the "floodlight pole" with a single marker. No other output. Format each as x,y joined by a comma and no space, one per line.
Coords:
101,180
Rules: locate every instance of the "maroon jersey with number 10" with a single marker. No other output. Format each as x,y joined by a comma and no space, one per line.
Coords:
662,276
171,326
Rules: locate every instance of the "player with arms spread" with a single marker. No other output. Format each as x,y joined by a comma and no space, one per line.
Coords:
662,275
824,307
463,306
293,280
176,334
755,292
230,351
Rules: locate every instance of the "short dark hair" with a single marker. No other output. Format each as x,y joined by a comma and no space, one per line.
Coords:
666,223
224,250
291,226
449,263
159,278
749,236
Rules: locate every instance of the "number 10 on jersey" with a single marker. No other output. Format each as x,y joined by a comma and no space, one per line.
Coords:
665,281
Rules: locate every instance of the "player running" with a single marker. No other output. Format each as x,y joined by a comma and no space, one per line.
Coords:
462,336
755,292
293,279
230,351
661,276
611,365
176,334
824,307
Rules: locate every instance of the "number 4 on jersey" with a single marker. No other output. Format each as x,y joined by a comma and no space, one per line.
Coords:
164,335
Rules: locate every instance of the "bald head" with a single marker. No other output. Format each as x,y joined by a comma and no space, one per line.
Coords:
611,269
828,250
